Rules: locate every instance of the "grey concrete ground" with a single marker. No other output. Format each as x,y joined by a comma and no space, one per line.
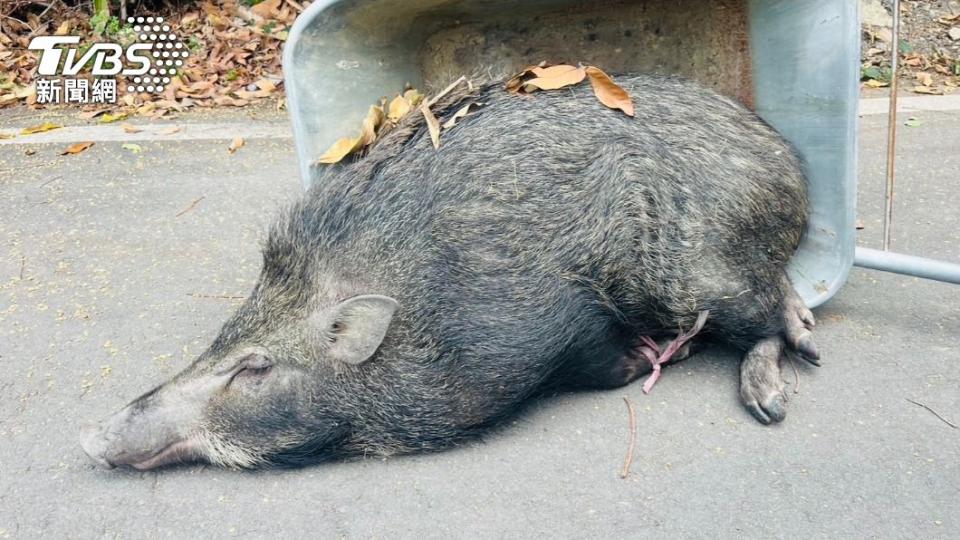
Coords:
116,268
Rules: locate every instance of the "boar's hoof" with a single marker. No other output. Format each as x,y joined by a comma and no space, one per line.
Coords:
761,387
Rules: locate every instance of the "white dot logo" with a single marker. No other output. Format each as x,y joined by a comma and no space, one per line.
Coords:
165,46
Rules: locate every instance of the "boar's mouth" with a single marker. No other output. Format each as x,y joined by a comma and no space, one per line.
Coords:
178,452
108,456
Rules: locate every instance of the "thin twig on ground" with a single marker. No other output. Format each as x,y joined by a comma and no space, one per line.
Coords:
218,296
633,439
191,207
796,375
935,413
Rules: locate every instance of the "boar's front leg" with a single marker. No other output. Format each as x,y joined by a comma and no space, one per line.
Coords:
761,387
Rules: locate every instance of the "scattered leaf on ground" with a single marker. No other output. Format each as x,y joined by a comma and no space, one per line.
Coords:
109,118
130,128
29,151
925,78
925,90
64,28
608,92
40,129
267,8
7,135
169,131
77,148
266,85
235,144
554,77
340,150
135,148
913,122
87,115
432,124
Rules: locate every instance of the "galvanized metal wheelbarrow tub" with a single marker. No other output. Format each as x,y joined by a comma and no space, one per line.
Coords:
794,62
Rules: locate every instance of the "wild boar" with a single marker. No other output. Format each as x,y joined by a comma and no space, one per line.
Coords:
415,296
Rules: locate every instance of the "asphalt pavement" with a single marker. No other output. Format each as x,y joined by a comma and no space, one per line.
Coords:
117,267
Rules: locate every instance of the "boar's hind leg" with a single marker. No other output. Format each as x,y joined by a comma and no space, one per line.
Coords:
798,326
761,387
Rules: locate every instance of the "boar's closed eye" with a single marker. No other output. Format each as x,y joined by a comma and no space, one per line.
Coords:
255,367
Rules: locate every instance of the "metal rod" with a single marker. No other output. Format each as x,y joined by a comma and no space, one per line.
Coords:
892,128
907,264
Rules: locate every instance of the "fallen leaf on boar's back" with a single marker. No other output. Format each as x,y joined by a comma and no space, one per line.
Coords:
77,148
374,118
458,115
433,125
554,77
340,150
608,92
398,107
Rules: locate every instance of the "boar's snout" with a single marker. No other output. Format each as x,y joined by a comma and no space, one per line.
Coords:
95,445
145,434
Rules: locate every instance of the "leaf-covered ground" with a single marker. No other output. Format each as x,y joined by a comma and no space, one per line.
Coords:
929,45
235,53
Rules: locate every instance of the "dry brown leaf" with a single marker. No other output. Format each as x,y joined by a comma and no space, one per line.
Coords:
433,126
925,78
413,97
169,130
267,9
554,77
458,115
266,85
87,115
874,83
608,92
64,28
109,118
368,132
398,108
515,82
29,151
925,90
130,128
235,144
77,148
340,149
189,18
47,126
7,135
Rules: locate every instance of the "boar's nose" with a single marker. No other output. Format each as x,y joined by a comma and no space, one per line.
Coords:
95,445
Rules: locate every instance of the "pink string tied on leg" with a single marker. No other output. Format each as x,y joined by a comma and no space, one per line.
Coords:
657,357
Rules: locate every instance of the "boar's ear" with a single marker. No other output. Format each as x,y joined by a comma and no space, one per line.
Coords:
358,326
